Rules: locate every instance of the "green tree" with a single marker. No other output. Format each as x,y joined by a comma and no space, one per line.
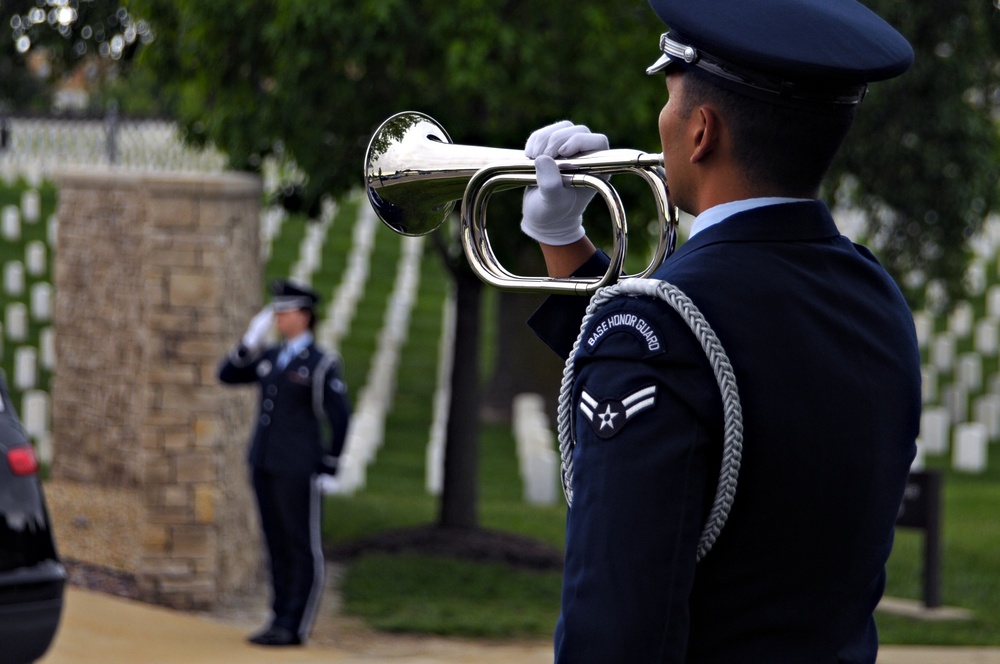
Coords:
63,34
923,160
312,80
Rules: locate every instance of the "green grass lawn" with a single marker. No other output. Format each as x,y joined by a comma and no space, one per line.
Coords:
970,567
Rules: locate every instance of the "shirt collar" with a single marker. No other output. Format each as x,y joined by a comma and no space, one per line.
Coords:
296,345
720,213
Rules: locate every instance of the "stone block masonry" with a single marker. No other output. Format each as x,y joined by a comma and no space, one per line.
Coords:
156,276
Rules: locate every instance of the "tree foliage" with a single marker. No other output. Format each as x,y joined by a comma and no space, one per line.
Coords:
923,159
64,35
315,79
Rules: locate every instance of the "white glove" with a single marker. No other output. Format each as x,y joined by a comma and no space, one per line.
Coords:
328,485
260,325
551,212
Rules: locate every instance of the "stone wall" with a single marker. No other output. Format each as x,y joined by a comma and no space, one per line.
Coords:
156,276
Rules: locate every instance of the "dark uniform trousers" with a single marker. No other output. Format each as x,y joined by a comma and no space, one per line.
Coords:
287,451
826,363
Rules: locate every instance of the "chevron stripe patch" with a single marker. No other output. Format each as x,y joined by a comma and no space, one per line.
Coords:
609,416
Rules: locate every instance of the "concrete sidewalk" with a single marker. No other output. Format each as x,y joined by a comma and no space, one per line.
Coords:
103,629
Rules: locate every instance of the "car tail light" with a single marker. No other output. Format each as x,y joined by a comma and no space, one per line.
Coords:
22,460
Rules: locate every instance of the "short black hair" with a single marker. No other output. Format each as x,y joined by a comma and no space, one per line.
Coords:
782,148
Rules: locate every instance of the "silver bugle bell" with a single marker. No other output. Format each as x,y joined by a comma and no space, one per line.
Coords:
414,173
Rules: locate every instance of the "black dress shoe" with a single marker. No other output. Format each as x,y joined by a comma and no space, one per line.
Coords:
275,636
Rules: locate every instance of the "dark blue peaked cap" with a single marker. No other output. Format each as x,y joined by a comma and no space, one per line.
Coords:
810,51
288,295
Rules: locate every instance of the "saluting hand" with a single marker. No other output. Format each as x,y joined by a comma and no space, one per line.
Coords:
256,334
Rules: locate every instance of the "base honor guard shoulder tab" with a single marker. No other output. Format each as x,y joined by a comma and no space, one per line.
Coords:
633,325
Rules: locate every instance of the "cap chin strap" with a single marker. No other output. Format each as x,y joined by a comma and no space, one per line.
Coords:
732,450
677,52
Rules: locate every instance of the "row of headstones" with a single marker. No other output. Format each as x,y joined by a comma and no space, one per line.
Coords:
30,208
37,147
351,287
28,360
961,412
375,398
537,458
272,219
366,434
311,247
16,314
441,405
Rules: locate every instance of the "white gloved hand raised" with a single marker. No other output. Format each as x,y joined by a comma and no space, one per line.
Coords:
551,212
260,325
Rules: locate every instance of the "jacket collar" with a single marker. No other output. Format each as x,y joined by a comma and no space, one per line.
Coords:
786,222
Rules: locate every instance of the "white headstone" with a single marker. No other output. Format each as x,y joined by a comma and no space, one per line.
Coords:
11,223
956,399
434,471
943,352
924,323
935,427
35,411
43,446
16,321
52,230
35,259
543,470
960,321
975,278
47,348
920,457
970,371
987,337
25,368
969,451
993,302
13,278
986,410
41,301
31,205
929,384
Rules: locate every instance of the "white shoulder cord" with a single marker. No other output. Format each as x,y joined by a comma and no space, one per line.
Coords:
733,435
319,377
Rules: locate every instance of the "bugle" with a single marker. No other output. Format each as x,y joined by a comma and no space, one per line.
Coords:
414,173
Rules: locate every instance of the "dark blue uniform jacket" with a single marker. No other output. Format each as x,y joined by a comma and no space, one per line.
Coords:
826,363
289,436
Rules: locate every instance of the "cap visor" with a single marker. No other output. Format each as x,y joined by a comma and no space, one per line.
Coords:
295,304
660,65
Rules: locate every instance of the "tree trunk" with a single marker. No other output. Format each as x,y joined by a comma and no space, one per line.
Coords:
528,365
459,497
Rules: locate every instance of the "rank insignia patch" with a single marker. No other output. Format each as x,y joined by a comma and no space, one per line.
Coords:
610,416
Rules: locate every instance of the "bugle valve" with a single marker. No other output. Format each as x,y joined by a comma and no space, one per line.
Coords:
414,174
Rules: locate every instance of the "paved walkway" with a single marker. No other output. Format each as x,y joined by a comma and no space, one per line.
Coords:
104,629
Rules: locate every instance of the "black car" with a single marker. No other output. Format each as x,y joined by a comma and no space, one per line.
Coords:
32,578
